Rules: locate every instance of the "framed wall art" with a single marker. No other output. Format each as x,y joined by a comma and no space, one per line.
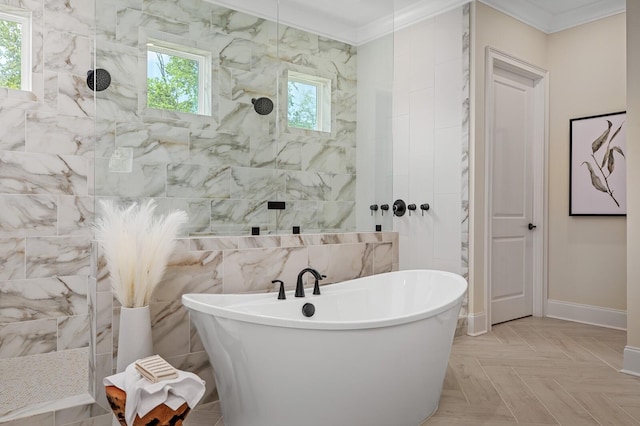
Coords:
597,165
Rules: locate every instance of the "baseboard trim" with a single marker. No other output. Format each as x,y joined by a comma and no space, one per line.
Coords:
476,324
587,314
631,362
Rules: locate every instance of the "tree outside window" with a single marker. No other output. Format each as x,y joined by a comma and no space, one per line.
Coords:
172,82
10,54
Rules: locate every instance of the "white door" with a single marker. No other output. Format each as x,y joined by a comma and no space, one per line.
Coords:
511,197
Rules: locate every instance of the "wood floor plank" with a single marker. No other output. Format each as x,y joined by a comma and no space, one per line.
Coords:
559,402
474,382
604,410
522,402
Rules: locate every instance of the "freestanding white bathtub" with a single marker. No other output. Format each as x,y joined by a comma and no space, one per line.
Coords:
374,353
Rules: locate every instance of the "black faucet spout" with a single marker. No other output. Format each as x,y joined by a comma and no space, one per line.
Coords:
300,284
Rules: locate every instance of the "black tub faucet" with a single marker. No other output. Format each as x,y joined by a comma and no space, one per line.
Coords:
300,285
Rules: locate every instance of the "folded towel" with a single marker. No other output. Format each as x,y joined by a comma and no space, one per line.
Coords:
143,396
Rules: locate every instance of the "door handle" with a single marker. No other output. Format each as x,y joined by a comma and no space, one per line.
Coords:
532,226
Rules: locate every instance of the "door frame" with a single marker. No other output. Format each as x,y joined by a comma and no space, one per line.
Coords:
495,58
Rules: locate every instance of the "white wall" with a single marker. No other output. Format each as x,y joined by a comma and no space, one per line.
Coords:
586,255
427,147
632,351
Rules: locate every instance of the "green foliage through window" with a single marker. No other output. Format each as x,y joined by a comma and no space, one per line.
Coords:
10,54
302,108
172,82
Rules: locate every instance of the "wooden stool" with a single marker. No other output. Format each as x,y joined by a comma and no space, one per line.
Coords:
162,415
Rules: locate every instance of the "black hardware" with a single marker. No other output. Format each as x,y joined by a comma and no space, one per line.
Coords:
275,205
373,208
308,309
296,229
384,208
399,208
424,207
532,226
262,106
411,208
98,79
300,285
255,230
378,228
281,295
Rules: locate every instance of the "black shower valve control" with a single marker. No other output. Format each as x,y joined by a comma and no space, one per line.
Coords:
384,208
411,208
373,208
399,208
424,207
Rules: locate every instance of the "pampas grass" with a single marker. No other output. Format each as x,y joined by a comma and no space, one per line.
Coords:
136,246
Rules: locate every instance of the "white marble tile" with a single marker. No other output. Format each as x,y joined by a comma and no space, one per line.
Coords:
74,96
12,132
63,256
156,142
28,215
256,184
59,134
28,338
184,11
237,216
337,215
70,15
219,149
75,215
145,180
170,328
307,185
382,257
27,300
73,332
196,180
298,213
213,243
328,159
254,269
329,260
12,258
34,173
190,272
68,53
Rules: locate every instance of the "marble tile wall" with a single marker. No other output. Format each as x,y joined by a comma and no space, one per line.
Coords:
46,145
224,167
232,265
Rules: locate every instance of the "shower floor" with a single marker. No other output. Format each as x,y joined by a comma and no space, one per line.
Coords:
42,378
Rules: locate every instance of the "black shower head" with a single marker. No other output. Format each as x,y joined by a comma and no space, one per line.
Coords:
263,106
100,77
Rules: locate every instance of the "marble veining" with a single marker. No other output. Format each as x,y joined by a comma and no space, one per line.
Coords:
28,215
12,258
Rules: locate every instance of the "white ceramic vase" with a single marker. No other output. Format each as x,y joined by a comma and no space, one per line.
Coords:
134,336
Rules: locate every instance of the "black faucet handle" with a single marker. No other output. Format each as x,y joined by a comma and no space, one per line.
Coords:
316,286
281,295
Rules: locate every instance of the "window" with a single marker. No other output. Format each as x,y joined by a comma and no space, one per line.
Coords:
178,78
308,102
15,51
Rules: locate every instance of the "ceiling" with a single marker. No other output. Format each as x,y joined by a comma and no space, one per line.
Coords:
359,21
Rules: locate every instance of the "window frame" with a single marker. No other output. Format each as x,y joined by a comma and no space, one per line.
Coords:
323,99
24,19
203,58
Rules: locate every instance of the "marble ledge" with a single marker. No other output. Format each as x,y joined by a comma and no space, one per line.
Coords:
202,243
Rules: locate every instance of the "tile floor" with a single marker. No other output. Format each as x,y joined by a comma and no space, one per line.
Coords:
529,372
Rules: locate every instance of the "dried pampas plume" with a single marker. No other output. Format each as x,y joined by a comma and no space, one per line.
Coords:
136,246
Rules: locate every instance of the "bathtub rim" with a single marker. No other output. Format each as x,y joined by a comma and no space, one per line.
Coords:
197,302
